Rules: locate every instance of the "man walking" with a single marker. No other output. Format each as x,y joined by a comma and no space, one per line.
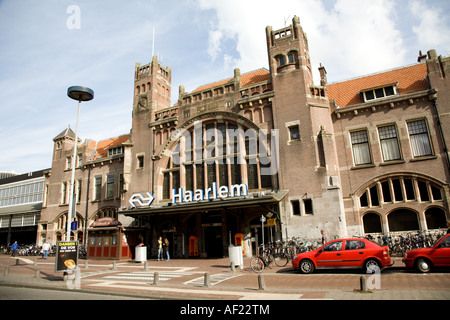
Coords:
45,249
14,249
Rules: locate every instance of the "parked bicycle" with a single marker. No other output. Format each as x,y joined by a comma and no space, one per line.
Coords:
261,261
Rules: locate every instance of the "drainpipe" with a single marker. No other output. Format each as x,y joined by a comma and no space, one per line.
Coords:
433,97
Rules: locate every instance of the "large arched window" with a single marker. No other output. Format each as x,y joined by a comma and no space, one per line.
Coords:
402,188
223,152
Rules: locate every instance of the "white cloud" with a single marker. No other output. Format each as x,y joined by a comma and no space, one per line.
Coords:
433,28
201,40
352,38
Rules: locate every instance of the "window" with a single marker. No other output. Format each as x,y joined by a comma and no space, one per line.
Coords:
378,93
291,58
114,151
354,245
295,207
360,147
98,188
400,189
121,185
140,160
333,246
294,133
281,61
68,162
80,160
389,143
307,203
110,186
418,135
22,192
78,190
64,193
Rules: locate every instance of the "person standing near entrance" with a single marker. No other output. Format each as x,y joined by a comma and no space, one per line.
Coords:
324,237
160,249
14,249
45,249
166,248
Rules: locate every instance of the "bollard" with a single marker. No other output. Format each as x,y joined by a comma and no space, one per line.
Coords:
35,262
86,264
6,270
114,267
207,282
363,284
261,284
37,273
156,278
17,262
145,265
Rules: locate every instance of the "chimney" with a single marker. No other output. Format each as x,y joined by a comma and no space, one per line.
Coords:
422,57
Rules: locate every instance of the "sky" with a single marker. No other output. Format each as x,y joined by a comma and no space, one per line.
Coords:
49,45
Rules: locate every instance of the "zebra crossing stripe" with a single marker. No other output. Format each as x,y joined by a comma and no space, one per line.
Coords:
214,279
146,276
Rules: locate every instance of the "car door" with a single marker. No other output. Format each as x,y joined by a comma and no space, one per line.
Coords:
440,254
354,254
330,255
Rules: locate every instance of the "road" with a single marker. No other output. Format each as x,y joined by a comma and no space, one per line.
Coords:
21,293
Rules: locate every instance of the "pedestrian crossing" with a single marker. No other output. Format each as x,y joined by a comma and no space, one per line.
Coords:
147,275
214,279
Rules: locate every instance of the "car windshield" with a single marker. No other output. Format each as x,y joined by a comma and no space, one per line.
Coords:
445,243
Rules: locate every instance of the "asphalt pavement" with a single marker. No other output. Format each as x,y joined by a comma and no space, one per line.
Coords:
214,279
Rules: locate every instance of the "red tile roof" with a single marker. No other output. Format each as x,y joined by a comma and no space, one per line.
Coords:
247,79
410,79
103,146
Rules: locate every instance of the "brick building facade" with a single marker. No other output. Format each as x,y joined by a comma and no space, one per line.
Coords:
367,155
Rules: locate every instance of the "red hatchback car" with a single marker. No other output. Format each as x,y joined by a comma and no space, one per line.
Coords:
424,259
349,253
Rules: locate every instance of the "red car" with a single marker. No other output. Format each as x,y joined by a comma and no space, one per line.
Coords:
424,259
350,253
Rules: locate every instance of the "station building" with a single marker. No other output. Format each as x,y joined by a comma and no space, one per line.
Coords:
264,155
20,206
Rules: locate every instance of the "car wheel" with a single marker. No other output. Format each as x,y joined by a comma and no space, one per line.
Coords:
371,266
306,266
423,265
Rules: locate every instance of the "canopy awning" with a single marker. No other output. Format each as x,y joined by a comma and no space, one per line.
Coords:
251,200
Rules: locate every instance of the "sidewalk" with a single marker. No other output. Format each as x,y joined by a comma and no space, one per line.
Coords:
211,279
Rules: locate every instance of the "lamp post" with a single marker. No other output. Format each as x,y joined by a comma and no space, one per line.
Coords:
78,93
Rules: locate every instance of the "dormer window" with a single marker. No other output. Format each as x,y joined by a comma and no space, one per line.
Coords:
114,151
379,92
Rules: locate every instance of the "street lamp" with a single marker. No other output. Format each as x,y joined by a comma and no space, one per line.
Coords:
80,94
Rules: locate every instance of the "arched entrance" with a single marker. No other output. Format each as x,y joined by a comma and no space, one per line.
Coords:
372,223
403,220
435,218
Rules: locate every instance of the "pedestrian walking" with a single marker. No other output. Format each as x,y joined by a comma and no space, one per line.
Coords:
324,237
14,249
160,249
166,248
45,249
